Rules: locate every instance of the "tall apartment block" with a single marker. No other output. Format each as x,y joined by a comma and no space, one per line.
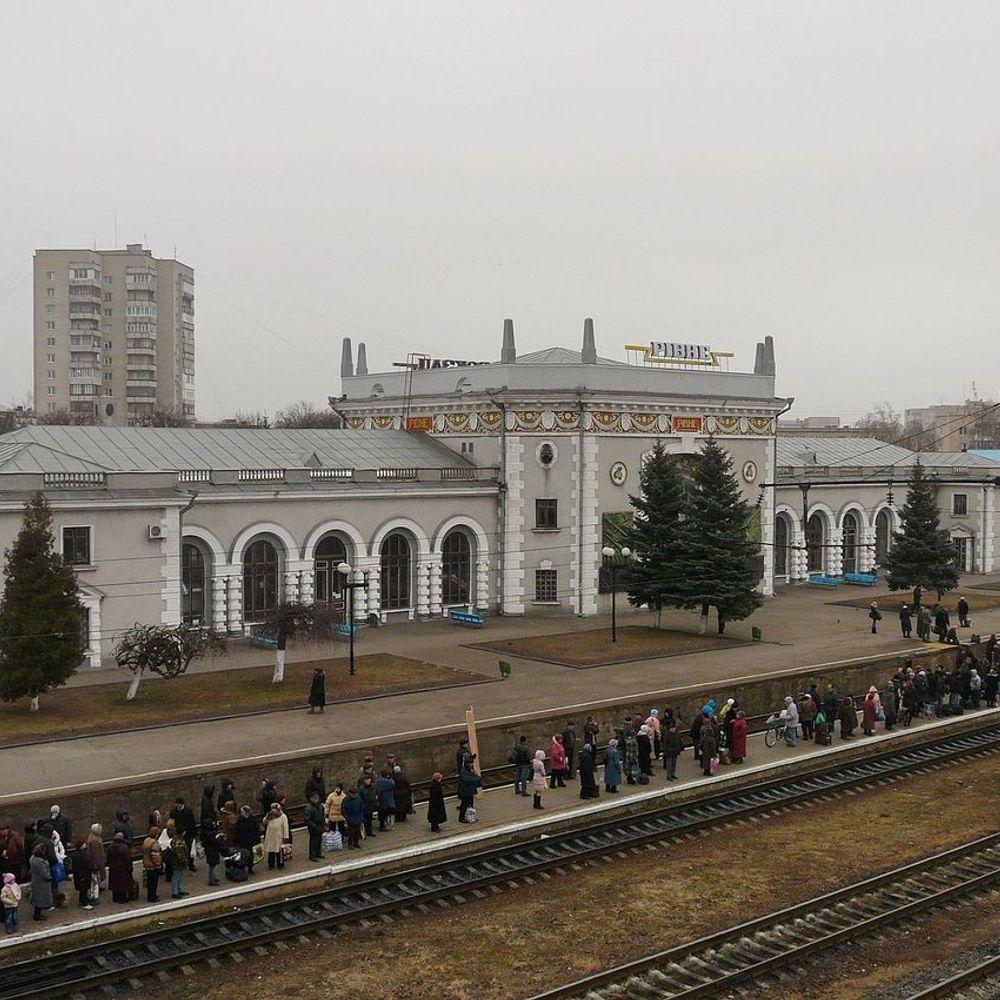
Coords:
114,335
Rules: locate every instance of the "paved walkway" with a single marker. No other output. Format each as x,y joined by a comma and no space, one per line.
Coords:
801,630
498,809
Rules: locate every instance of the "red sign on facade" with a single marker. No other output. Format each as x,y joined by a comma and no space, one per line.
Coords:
420,424
687,425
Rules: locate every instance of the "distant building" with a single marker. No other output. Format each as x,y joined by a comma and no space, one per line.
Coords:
956,426
113,335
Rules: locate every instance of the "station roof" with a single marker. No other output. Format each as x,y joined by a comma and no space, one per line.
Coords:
870,453
148,449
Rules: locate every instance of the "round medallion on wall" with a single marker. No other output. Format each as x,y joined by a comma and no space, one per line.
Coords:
618,473
749,472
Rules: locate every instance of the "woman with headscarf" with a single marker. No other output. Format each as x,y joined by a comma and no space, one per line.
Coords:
612,767
404,794
98,857
120,869
10,899
123,825
436,812
57,859
41,882
644,744
246,833
228,825
708,744
538,778
275,836
848,718
738,748
870,708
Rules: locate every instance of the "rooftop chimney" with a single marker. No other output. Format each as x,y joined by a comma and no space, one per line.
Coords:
508,352
768,356
362,360
346,359
758,360
589,353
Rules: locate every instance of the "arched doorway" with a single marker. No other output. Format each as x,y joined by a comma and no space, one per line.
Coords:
815,540
328,580
851,542
261,590
456,568
397,572
883,536
781,553
195,574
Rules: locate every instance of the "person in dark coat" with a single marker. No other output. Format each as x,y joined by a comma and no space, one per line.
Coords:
228,794
671,749
11,852
848,718
468,782
875,615
212,839
696,724
41,882
83,871
353,811
246,833
590,730
315,783
644,741
942,622
738,748
268,795
187,827
404,794
436,812
31,841
963,612
209,817
315,825
120,869
59,822
905,621
708,745
123,825
317,692
369,802
569,745
462,754
588,785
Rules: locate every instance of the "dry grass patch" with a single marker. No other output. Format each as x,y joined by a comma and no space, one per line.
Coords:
894,601
101,708
540,936
594,647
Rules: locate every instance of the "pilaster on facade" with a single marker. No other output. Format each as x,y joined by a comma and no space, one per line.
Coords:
989,528
481,594
834,560
218,598
798,559
866,560
585,558
234,601
767,523
170,568
514,527
423,603
371,565
91,601
435,585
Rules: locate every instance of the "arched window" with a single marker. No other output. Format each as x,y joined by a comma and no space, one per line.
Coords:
883,536
397,572
456,568
851,542
194,604
330,553
781,545
815,540
260,580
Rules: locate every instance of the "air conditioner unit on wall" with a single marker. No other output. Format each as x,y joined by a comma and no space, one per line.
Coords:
156,532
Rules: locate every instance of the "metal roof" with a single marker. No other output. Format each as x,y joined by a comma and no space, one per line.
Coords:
558,356
146,449
869,453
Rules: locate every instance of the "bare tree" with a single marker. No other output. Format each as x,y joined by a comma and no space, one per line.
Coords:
304,415
292,620
66,418
245,418
883,423
165,417
167,650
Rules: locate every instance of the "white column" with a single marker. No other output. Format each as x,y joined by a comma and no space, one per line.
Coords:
834,561
234,602
867,560
767,516
373,566
513,567
583,585
423,584
435,585
291,591
217,607
798,558
988,532
481,593
306,580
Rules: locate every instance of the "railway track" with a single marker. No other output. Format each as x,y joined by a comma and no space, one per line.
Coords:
975,983
715,964
125,959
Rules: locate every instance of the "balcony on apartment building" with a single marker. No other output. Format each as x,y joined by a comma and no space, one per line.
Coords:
86,308
139,280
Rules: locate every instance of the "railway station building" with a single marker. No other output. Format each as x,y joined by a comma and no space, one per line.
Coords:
455,483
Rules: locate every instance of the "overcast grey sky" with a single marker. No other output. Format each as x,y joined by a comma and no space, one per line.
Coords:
410,174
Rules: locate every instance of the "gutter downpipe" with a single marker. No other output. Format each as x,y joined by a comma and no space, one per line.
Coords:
579,511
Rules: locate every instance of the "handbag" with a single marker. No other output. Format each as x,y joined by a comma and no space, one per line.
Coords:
58,872
286,852
197,850
714,765
257,854
133,890
94,892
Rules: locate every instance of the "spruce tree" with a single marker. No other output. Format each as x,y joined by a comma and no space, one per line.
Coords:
41,619
720,565
921,555
652,577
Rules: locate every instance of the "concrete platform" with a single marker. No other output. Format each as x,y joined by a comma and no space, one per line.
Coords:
500,811
801,630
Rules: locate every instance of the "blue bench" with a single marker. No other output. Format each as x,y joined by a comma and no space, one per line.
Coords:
467,618
819,580
861,579
344,631
268,639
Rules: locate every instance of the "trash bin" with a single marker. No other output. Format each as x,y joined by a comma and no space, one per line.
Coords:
504,668
755,633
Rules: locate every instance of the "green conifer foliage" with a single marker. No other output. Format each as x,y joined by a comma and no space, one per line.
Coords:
922,555
41,618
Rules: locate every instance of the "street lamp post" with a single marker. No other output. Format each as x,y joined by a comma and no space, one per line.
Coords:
613,554
350,587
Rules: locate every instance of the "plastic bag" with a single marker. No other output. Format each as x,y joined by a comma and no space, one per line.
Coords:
332,841
471,816
714,765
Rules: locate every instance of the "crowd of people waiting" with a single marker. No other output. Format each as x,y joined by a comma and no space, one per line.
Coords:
240,837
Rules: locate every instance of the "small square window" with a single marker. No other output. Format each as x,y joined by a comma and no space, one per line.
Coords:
546,585
50,293
960,504
50,324
547,514
50,358
76,546
106,279
50,374
50,341
50,390
107,345
107,312
50,275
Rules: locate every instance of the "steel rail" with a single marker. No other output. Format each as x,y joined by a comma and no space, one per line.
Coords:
952,986
86,967
719,961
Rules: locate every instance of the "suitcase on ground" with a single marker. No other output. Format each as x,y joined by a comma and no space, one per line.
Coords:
643,779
